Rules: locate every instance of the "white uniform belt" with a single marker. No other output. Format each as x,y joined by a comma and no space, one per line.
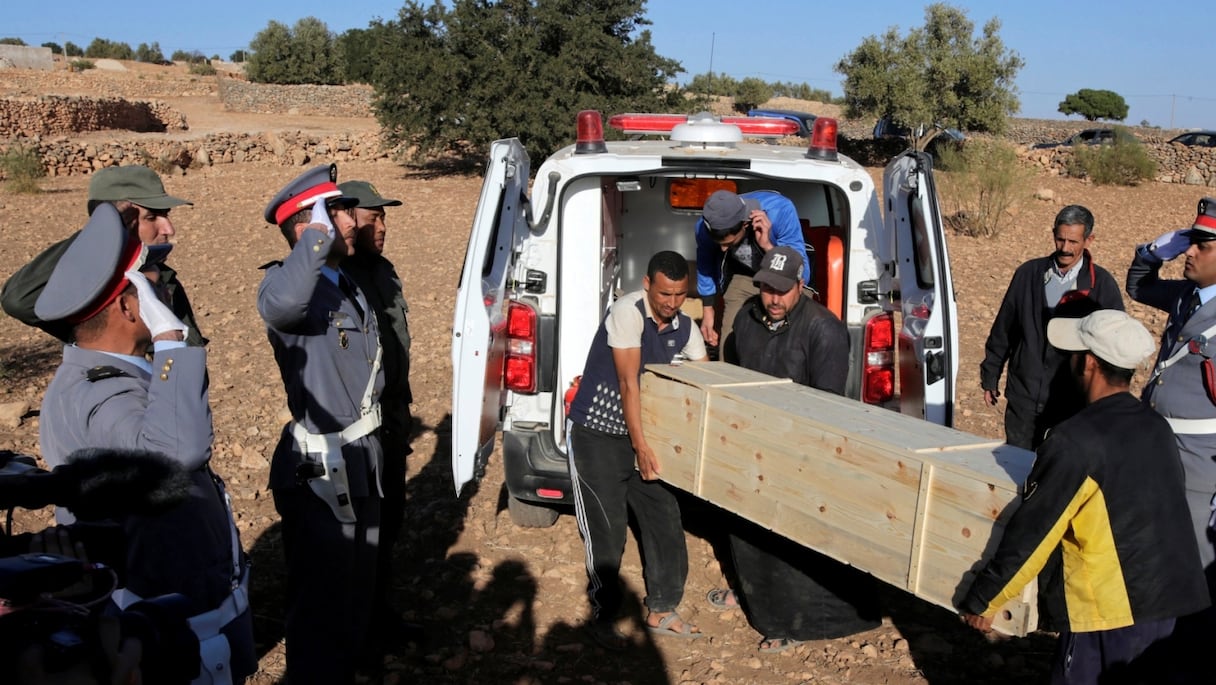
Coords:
1192,426
208,623
318,443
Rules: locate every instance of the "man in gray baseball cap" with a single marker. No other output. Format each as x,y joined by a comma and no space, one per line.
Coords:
140,198
1106,490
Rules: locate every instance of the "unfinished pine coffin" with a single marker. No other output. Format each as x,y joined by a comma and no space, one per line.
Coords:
917,505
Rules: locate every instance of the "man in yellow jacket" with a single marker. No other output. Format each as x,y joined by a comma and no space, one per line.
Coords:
1106,488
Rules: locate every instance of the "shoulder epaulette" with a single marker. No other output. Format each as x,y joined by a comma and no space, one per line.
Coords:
267,265
100,373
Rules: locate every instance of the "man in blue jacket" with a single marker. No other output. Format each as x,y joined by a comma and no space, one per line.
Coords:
733,235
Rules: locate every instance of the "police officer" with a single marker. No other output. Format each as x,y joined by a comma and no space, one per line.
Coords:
325,470
378,280
106,393
139,195
1182,387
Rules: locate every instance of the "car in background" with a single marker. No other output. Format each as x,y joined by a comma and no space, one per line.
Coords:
1196,138
1092,136
805,120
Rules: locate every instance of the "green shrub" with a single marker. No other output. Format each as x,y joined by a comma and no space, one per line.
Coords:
980,186
202,69
1124,162
23,167
81,64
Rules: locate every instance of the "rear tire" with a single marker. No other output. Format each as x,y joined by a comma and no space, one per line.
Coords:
529,515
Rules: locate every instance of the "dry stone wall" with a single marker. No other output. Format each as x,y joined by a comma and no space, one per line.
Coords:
60,115
265,98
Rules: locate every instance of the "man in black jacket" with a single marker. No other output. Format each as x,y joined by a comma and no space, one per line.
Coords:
1038,392
1107,489
790,593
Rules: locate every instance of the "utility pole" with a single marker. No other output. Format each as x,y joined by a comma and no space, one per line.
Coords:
1173,98
712,36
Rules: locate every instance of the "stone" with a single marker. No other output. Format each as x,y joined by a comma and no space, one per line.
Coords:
1045,194
11,413
480,641
1193,177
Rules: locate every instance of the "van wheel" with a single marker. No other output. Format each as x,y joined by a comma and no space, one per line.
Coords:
528,515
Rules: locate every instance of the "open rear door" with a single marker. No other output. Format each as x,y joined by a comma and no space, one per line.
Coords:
928,336
479,328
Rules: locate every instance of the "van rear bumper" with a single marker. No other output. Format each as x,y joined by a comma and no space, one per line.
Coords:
532,462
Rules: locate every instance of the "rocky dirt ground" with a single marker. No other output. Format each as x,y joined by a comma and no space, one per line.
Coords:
500,603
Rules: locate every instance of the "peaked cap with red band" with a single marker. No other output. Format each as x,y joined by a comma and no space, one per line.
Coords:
91,272
318,183
1204,228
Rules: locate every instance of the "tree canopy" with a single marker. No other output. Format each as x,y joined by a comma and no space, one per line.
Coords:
938,74
454,77
304,53
104,48
1095,104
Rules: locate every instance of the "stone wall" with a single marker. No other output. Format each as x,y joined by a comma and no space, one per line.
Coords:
23,117
265,98
65,157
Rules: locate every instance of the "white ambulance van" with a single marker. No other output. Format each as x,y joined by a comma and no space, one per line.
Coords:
542,269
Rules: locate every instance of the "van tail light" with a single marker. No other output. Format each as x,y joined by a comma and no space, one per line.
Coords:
590,133
519,372
878,359
823,140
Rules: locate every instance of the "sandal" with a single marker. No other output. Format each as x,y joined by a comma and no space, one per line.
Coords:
722,599
776,645
604,634
686,631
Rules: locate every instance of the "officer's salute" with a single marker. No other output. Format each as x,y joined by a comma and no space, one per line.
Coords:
325,470
107,394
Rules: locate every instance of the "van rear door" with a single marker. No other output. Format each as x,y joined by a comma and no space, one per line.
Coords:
928,336
479,328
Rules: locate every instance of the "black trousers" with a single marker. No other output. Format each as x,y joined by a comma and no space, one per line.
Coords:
607,488
331,573
1111,657
392,512
789,591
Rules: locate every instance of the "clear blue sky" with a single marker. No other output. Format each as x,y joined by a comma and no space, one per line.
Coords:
1156,55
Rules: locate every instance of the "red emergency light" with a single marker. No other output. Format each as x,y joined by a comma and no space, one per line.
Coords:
590,133
659,124
823,140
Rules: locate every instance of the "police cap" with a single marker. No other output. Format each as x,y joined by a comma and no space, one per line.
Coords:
1204,228
318,183
90,273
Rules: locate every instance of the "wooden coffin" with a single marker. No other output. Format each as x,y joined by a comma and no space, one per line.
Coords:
917,505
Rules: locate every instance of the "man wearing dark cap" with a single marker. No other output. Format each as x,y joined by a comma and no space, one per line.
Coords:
140,197
1106,490
325,472
107,394
378,280
789,593
733,235
1183,385
1039,391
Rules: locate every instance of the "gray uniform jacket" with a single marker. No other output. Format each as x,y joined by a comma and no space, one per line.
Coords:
1178,392
325,352
188,549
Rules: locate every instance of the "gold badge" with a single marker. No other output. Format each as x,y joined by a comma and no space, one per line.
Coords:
343,341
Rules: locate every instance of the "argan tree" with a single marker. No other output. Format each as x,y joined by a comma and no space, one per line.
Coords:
455,76
936,75
1095,104
304,53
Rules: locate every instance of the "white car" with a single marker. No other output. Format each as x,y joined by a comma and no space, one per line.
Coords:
542,269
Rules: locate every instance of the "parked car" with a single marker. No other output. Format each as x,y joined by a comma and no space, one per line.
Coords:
1092,136
886,129
805,120
1196,138
543,266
